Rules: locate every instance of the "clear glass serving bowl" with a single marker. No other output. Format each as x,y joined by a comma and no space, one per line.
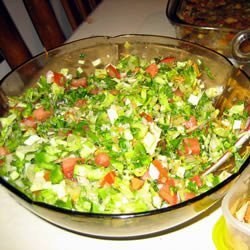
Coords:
109,49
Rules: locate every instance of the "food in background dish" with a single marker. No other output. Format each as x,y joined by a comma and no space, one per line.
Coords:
131,137
210,23
233,14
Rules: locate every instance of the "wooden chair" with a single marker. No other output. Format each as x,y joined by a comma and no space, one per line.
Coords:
45,23
77,11
42,15
13,48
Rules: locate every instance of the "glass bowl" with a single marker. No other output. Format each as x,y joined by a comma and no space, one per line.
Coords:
109,49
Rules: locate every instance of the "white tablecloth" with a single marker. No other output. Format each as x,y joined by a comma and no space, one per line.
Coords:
21,230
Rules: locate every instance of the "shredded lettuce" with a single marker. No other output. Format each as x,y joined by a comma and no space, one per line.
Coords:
156,132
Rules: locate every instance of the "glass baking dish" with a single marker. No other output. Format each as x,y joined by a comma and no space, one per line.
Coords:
214,28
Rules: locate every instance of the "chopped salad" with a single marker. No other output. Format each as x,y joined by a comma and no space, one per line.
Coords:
130,137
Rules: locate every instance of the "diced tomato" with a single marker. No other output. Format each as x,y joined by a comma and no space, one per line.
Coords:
189,195
167,194
167,60
136,183
179,152
95,91
178,92
46,175
41,115
80,103
102,159
170,182
114,91
1,162
197,180
81,82
68,165
192,146
163,177
148,117
4,151
109,178
113,72
191,122
152,69
29,122
59,79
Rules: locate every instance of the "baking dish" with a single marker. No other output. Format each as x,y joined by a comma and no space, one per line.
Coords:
213,35
109,49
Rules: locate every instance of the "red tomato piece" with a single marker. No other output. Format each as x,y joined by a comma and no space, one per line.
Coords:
4,151
59,79
102,159
192,146
148,117
136,183
114,91
80,103
46,175
189,196
41,114
167,60
81,82
163,177
197,180
29,122
113,72
167,194
152,69
191,122
68,165
178,92
95,91
109,178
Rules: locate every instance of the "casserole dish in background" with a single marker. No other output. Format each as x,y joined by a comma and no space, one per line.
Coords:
109,49
212,24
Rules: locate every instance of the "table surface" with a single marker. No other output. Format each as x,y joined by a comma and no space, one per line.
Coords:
21,229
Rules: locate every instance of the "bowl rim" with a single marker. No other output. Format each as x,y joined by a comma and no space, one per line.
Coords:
180,205
123,35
